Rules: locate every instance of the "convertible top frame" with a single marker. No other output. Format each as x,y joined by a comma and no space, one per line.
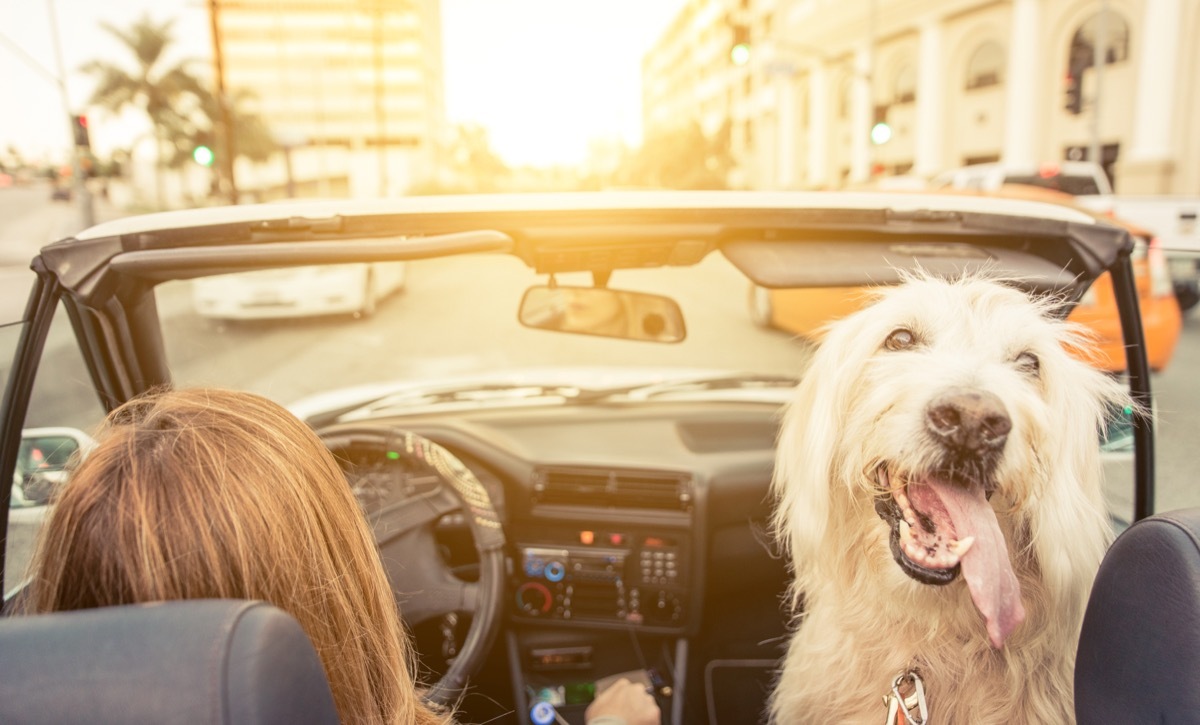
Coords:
106,275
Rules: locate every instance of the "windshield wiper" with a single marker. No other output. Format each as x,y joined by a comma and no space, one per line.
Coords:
645,391
476,394
473,394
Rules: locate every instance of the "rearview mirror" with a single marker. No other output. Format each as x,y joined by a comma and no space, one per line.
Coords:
604,312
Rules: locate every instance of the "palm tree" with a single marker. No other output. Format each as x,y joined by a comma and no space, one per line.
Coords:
252,138
163,93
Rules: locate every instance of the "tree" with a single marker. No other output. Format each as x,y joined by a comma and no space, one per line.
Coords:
468,165
683,158
166,94
252,138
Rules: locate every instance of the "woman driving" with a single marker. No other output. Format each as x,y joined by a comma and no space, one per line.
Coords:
212,493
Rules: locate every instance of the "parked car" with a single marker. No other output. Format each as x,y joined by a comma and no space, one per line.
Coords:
804,311
1070,177
628,467
298,291
1172,219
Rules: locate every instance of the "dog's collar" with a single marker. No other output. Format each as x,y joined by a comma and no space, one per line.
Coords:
906,701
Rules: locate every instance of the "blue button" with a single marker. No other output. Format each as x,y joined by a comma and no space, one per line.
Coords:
555,571
542,713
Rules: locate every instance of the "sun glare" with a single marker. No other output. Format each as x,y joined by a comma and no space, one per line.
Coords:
546,77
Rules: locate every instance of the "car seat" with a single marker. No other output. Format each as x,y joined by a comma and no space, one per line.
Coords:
1139,651
190,661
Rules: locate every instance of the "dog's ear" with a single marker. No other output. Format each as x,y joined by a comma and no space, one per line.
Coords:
1070,527
807,450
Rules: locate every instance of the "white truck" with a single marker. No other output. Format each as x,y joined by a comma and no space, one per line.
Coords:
1172,219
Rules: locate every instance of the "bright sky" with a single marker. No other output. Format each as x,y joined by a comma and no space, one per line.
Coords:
544,76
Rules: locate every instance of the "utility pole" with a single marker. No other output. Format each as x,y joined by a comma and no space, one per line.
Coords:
380,118
87,214
225,122
871,10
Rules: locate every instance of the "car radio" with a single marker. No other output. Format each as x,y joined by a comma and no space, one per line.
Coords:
618,577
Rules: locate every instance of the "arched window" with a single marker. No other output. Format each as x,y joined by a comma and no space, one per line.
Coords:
904,85
1112,33
986,66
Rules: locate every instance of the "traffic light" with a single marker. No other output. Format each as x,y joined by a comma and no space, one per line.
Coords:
1074,102
881,130
881,133
79,125
739,52
203,155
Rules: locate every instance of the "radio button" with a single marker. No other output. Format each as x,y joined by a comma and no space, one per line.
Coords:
555,571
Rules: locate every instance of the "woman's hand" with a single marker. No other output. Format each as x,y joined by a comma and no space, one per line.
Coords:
624,703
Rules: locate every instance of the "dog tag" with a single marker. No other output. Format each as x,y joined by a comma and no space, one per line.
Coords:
910,710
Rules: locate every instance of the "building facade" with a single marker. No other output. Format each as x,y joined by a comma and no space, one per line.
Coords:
956,82
353,89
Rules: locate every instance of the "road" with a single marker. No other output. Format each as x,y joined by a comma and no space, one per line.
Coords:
29,221
1177,400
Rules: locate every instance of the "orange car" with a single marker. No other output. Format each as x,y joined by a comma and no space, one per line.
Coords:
805,311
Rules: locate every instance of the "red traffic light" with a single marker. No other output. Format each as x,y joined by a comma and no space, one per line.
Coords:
79,124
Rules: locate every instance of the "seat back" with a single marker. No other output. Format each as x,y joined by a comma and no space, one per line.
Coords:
1139,651
194,661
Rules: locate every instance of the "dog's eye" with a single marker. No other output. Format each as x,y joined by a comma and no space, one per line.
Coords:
1027,362
900,339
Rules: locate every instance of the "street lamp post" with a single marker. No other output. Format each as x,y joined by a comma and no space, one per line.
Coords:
1099,52
226,123
380,117
87,213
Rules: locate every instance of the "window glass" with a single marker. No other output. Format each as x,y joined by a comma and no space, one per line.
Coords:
63,410
986,66
904,89
1111,32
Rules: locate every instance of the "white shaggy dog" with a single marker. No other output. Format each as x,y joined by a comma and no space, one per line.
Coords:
938,494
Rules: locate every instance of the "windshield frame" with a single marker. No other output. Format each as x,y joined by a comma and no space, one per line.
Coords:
109,281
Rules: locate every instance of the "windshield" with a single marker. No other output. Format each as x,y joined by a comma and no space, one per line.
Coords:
477,339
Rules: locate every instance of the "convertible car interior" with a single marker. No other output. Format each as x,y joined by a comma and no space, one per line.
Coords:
547,527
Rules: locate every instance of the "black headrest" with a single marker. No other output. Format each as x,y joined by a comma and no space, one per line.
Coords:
194,661
1139,652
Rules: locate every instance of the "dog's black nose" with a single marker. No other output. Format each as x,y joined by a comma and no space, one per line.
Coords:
969,419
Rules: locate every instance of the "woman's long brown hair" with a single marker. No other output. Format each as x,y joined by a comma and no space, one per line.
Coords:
212,493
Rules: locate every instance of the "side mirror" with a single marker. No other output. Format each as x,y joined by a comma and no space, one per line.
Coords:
42,462
604,312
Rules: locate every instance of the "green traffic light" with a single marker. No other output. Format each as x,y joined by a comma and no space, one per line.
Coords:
740,54
203,155
881,133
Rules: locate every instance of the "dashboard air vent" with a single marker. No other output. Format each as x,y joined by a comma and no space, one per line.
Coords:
607,488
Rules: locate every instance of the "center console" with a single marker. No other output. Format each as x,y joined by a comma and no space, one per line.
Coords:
621,577
590,603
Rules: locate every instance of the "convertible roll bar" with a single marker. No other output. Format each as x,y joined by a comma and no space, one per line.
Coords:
1138,369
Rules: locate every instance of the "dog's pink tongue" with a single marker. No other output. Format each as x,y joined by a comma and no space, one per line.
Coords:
985,566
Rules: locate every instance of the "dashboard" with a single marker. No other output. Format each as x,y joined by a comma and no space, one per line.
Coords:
625,525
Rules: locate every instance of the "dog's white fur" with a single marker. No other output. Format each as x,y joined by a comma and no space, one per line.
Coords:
859,620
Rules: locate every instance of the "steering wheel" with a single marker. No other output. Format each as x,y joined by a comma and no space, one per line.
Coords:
405,483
